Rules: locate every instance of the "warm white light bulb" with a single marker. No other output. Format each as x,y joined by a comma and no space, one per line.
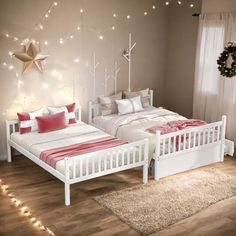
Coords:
7,35
55,3
81,10
45,42
71,36
179,2
16,39
100,37
10,53
128,17
4,64
33,41
167,3
153,7
77,60
78,28
191,5
11,67
41,27
61,41
114,15
113,27
145,13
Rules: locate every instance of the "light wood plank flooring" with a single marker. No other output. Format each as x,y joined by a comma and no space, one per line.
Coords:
44,195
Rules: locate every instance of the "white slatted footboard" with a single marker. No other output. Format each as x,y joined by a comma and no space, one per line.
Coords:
190,148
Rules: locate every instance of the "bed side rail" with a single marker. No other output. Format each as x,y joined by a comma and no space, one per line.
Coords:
99,163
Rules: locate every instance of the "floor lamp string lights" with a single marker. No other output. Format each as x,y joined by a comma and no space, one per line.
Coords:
24,209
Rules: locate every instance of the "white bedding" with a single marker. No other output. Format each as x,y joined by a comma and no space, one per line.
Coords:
35,142
132,127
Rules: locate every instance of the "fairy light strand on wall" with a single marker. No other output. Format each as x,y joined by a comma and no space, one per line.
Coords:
24,209
78,28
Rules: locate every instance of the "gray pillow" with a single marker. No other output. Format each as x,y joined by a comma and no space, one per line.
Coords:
108,104
145,97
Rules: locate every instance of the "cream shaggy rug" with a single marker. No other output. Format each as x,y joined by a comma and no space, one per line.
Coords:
150,208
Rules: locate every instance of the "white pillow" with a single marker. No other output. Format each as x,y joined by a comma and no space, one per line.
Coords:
126,106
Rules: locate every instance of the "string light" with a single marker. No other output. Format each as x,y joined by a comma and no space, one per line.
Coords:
100,37
24,209
46,43
77,60
41,26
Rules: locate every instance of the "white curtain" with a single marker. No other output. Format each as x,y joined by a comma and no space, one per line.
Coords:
215,95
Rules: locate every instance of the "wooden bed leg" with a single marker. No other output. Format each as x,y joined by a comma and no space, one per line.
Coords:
145,166
67,182
67,194
222,145
156,155
145,173
9,159
156,174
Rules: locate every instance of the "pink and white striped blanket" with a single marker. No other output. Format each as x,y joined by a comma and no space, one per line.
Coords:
176,125
52,156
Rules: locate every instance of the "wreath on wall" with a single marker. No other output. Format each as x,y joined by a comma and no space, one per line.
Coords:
224,68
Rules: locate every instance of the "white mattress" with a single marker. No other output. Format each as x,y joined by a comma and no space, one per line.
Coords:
35,142
133,127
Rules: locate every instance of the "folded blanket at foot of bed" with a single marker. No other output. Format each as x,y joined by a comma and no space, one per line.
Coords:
52,156
176,125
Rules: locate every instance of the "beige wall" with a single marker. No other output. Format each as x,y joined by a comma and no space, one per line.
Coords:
179,78
72,81
215,6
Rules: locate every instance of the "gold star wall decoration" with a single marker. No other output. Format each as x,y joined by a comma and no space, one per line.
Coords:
31,57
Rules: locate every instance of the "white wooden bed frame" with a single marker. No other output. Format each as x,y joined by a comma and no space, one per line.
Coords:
108,161
208,149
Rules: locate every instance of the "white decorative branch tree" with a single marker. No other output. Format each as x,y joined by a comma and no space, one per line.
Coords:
127,55
106,78
93,74
115,75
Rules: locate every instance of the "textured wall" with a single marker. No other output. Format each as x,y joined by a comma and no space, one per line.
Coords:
180,68
63,80
217,6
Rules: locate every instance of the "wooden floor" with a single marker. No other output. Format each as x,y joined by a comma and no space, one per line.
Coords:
45,197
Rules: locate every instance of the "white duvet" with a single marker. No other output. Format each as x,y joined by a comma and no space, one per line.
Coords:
133,127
